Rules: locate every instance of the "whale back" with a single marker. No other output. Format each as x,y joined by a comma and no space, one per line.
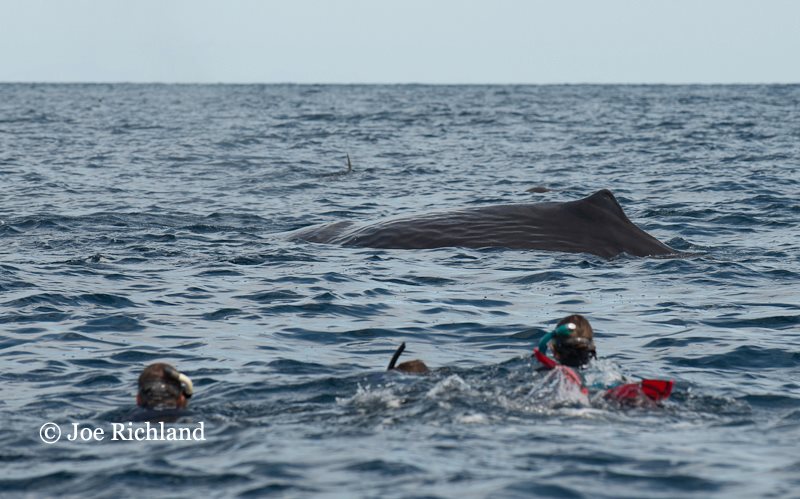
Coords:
596,224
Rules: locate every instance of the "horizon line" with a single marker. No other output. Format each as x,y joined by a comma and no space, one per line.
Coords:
386,83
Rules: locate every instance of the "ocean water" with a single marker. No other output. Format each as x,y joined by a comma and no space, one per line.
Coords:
143,223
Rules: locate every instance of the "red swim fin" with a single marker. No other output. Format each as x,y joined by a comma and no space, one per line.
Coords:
654,389
657,389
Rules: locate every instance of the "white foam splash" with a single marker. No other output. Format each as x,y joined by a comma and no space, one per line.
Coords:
368,397
472,418
552,390
602,373
451,384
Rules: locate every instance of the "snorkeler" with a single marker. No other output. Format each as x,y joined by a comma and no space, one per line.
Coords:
572,342
162,387
409,366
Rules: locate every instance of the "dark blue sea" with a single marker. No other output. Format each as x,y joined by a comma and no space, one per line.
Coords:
144,223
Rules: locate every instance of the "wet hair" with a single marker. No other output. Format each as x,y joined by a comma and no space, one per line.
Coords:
411,366
577,349
161,387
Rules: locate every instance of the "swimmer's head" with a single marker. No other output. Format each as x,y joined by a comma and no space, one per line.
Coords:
410,366
577,348
161,386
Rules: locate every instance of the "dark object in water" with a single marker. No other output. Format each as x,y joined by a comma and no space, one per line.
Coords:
340,174
162,387
595,224
411,366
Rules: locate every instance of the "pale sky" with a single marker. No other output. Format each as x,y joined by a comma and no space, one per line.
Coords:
407,41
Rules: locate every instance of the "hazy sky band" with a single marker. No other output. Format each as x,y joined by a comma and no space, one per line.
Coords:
409,41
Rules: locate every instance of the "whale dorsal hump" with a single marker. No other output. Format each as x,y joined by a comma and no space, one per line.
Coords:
605,200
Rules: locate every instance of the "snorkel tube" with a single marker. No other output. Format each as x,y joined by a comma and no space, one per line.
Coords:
187,387
562,330
540,352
